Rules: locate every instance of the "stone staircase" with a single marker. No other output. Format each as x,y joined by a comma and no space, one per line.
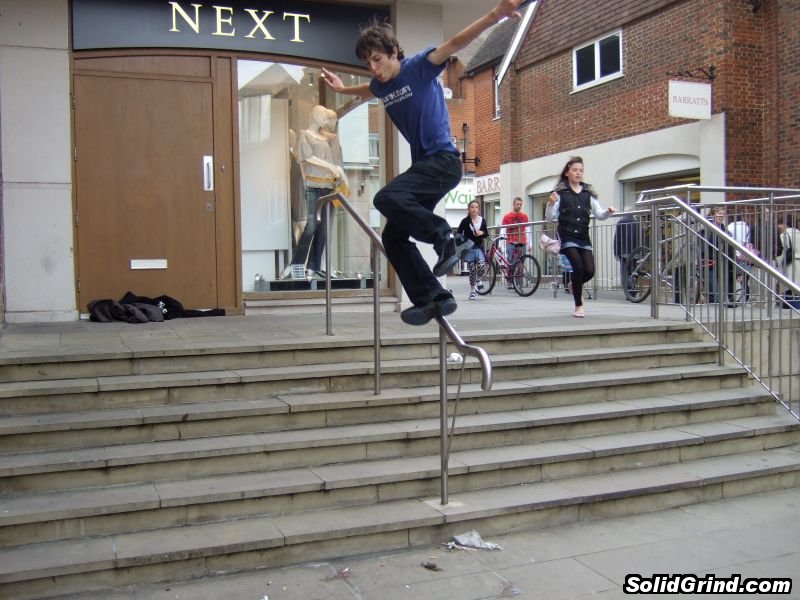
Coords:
133,467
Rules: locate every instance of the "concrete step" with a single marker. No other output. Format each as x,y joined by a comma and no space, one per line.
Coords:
255,305
34,518
92,563
173,459
80,428
99,393
139,357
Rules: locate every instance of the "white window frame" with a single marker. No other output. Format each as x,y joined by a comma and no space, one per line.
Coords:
496,85
597,80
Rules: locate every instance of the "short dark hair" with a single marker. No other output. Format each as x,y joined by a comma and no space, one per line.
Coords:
377,35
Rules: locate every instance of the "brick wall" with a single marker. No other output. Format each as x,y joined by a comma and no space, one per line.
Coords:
740,89
783,122
473,103
542,116
487,130
460,106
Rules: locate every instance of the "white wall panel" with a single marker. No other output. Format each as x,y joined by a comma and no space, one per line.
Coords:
35,129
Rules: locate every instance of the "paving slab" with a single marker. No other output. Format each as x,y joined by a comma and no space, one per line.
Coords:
557,580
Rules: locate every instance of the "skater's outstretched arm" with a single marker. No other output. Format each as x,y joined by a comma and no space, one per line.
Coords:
506,8
333,80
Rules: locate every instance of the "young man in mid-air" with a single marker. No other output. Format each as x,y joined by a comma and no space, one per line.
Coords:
415,103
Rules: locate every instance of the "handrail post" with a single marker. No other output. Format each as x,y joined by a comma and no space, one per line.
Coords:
655,261
328,300
722,301
443,413
376,315
445,329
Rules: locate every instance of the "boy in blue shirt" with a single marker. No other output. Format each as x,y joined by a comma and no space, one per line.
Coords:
415,103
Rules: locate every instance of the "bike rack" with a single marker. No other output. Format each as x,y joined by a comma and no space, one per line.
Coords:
445,328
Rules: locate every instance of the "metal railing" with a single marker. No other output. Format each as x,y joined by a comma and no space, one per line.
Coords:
607,266
445,328
723,275
702,270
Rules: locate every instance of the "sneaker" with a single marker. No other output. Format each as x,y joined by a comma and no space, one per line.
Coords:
479,287
473,295
451,253
441,306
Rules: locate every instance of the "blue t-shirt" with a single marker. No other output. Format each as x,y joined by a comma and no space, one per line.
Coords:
415,103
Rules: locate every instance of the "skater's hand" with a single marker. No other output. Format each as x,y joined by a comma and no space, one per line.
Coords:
332,79
507,8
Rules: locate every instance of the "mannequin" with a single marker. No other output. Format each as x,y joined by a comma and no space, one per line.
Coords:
297,201
329,132
320,176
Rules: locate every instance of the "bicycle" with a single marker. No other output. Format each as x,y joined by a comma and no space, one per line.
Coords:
524,273
638,272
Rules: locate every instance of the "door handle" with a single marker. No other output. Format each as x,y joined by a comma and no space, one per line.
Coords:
208,173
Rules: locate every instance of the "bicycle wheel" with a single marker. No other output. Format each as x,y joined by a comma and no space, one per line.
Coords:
638,271
695,286
487,278
527,275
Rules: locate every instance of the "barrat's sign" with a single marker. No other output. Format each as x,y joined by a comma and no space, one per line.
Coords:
689,100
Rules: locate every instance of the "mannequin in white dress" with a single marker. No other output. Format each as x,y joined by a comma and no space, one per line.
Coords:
321,175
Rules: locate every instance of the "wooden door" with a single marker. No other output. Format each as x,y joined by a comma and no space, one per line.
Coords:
145,201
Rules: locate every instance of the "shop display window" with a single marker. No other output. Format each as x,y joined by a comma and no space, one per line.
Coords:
298,141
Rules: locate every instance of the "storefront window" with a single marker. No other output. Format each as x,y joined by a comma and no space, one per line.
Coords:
298,141
633,187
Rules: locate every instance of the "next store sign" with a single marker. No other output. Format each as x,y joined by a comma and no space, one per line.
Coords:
316,30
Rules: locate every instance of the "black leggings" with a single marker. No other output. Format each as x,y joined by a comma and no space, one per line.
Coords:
582,262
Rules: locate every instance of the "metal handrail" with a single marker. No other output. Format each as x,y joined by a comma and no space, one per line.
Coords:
463,347
729,241
445,328
758,285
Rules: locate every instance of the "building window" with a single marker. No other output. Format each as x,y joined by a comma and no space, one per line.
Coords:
633,187
598,62
374,149
496,81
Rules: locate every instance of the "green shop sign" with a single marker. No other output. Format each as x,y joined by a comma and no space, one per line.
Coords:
460,197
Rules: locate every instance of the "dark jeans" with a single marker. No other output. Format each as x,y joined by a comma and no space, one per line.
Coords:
311,244
407,202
